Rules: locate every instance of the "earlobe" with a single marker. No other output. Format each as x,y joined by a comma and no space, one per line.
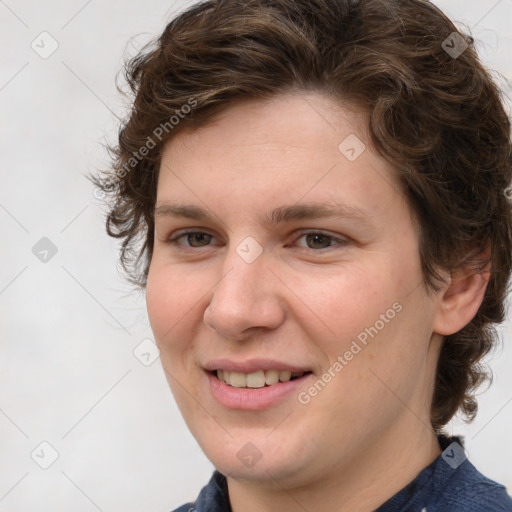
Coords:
460,300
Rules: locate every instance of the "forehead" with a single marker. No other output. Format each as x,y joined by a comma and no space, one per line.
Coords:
300,147
305,120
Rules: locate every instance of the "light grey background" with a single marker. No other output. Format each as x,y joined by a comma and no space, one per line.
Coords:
69,327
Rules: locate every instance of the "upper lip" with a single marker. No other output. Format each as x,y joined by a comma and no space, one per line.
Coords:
252,365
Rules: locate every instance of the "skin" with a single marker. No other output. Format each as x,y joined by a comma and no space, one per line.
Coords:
367,433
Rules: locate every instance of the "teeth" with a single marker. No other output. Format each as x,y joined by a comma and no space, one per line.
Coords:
285,376
271,377
256,379
237,379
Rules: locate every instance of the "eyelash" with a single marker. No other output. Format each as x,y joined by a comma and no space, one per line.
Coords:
174,240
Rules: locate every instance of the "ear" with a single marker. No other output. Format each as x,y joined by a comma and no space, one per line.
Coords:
461,298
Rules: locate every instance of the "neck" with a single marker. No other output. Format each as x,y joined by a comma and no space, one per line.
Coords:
380,471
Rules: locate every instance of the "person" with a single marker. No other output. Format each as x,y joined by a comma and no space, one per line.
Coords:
314,195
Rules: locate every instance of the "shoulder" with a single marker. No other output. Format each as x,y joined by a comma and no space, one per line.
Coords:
468,490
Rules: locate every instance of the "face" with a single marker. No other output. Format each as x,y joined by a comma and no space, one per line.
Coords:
285,251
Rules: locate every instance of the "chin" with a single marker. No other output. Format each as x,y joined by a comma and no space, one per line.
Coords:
253,457
263,471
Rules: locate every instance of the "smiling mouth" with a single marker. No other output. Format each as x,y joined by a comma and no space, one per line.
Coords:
258,379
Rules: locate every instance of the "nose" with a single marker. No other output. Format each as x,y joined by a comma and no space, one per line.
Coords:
247,297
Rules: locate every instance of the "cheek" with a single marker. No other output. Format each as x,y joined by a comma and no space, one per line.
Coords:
353,299
385,354
172,303
375,314
174,314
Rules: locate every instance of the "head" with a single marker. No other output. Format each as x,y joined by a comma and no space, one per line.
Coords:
241,108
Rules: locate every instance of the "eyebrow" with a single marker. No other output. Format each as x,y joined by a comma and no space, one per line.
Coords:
287,213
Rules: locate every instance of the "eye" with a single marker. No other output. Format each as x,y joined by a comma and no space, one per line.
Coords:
193,237
320,240
314,240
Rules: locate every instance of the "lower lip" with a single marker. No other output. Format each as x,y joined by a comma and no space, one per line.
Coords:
253,399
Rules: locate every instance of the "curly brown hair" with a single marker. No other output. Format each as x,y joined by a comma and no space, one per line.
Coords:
436,115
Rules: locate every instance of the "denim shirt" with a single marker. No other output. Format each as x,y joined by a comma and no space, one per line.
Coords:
449,484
